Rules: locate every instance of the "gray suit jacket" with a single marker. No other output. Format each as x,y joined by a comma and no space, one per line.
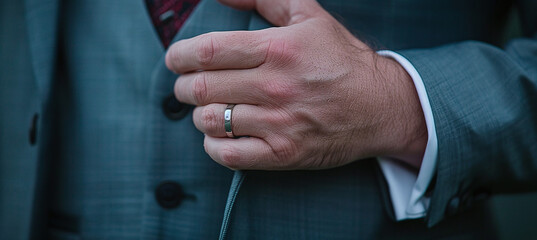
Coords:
85,143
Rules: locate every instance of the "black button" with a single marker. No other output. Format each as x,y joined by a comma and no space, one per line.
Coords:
453,206
169,194
33,130
173,109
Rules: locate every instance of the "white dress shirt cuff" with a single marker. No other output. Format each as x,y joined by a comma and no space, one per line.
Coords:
407,189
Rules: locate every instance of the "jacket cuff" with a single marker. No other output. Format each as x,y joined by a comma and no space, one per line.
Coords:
407,189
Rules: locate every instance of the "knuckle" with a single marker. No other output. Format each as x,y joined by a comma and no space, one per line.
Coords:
205,50
199,88
283,50
209,120
230,157
275,118
278,90
284,153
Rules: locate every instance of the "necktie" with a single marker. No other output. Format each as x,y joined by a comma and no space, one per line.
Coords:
168,16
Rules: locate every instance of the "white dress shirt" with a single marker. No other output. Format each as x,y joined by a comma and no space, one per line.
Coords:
407,189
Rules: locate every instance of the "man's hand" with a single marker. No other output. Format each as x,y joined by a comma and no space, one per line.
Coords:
309,95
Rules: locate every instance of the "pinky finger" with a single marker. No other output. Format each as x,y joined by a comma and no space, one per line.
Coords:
248,153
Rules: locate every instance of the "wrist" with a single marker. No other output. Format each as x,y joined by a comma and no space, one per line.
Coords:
406,126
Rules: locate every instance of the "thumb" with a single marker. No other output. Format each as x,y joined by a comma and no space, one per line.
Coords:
279,12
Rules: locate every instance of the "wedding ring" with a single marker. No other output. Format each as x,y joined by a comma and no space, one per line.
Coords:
227,120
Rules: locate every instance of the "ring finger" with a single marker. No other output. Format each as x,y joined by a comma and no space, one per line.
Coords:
246,120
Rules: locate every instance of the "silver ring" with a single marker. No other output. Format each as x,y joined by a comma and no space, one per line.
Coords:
227,120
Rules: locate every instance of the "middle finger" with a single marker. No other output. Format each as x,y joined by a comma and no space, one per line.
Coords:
226,86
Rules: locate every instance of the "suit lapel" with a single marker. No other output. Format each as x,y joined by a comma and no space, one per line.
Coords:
41,26
42,20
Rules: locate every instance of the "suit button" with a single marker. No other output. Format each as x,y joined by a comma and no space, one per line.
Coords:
453,206
173,109
33,130
169,194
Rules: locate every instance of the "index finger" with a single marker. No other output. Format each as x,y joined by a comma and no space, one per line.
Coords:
217,51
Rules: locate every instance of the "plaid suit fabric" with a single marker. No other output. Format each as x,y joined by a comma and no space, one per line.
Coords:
109,145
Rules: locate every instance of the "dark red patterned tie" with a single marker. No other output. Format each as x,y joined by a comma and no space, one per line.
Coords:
168,16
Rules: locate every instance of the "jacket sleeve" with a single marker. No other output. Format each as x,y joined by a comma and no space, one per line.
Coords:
484,102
